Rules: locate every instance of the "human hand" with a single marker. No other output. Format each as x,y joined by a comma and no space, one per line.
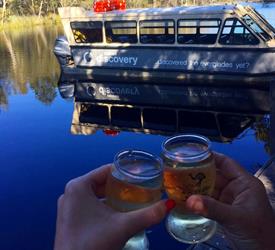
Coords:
84,222
240,205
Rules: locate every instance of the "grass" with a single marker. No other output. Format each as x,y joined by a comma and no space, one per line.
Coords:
21,22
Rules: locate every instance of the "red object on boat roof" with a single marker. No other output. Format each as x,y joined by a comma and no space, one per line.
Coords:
109,5
111,132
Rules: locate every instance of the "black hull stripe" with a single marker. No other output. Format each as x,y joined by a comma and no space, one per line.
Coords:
176,71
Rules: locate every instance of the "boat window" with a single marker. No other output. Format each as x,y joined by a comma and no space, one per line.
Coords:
157,32
87,32
198,31
121,31
256,28
235,33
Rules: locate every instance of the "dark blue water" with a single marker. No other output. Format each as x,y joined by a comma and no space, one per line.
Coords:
39,155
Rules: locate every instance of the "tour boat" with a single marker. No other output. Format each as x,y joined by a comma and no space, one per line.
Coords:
198,44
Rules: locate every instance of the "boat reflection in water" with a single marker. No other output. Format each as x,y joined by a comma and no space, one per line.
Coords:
90,117
220,114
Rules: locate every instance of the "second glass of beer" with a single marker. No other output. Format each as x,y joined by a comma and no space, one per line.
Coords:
189,168
135,182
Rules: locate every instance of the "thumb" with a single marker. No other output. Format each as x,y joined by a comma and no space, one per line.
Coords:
141,219
211,208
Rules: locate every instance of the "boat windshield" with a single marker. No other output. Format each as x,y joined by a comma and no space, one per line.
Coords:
269,26
256,28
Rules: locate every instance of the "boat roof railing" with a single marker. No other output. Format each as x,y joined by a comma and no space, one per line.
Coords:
182,10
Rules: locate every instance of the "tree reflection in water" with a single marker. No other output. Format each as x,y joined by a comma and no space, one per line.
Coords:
29,62
3,99
262,132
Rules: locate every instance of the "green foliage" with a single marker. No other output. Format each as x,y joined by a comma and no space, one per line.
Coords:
21,22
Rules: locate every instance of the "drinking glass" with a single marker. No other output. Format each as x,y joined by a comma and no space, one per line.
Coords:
189,168
135,182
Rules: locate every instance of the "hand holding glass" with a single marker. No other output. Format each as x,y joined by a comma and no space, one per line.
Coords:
135,182
189,168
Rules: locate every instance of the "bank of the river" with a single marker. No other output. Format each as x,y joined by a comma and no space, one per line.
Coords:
20,22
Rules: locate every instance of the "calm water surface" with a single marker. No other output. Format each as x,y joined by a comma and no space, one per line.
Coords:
39,154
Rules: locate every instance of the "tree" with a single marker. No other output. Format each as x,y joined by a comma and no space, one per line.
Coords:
4,4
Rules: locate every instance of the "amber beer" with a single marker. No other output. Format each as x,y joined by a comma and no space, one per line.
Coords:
134,182
182,180
189,168
123,196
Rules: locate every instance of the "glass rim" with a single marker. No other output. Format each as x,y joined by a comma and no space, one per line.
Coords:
155,158
187,158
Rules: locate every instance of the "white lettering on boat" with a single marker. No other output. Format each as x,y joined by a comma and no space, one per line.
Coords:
244,65
215,65
111,91
172,62
127,59
101,59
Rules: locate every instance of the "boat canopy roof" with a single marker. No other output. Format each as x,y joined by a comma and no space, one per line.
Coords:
73,12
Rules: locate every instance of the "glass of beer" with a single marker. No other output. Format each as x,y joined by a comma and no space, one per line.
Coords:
189,168
135,182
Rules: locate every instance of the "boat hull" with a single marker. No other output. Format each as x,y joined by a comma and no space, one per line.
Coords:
166,77
181,59
167,65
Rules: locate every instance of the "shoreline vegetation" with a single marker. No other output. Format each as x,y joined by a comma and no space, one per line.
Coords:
26,22
16,14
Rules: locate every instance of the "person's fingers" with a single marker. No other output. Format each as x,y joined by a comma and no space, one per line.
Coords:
227,167
216,194
60,201
92,182
220,181
98,179
98,176
210,208
141,219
